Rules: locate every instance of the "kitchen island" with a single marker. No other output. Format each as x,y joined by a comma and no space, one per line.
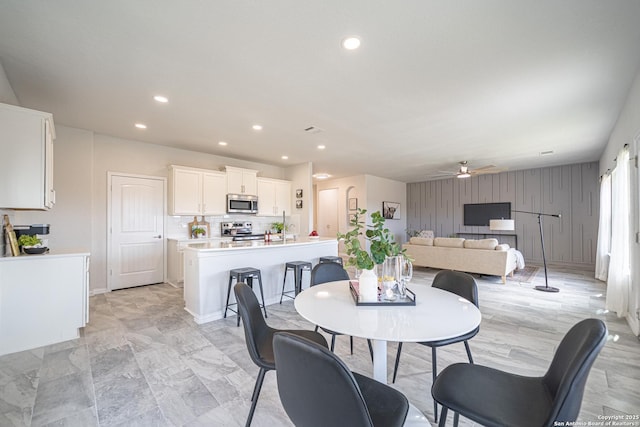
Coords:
207,265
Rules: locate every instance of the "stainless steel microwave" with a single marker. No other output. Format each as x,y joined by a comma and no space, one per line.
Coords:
242,203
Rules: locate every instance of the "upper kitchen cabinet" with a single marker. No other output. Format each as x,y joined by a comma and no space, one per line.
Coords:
241,181
274,196
26,143
196,191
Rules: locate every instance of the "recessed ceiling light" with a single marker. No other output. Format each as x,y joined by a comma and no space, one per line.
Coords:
351,43
223,143
321,175
141,126
285,157
161,98
321,147
257,127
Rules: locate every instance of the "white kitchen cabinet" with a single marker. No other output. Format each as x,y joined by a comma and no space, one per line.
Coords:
241,181
44,300
26,144
195,191
274,196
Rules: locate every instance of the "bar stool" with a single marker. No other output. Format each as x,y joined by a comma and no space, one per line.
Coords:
245,274
337,259
298,267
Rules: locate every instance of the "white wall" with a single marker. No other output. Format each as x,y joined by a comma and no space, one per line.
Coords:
627,131
82,159
385,190
300,177
70,217
370,191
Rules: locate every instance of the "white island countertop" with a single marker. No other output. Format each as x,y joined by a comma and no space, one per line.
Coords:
207,265
224,245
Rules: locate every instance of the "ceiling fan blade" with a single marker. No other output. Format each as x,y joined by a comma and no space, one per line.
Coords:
490,169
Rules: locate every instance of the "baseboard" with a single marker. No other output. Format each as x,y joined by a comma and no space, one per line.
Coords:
634,324
99,291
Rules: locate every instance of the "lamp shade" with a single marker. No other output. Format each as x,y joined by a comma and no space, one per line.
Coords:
502,225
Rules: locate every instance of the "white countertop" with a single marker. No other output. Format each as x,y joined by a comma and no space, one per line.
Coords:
50,254
213,245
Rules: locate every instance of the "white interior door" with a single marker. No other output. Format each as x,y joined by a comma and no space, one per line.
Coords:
328,212
136,254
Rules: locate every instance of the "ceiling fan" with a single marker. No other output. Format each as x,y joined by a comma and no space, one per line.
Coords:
465,172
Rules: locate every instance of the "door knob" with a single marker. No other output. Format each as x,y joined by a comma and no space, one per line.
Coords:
159,236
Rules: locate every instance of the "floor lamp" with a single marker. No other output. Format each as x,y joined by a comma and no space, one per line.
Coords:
546,287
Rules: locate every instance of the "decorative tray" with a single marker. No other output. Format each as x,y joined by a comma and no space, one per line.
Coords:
408,299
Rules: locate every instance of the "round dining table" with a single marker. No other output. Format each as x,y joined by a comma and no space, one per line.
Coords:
437,315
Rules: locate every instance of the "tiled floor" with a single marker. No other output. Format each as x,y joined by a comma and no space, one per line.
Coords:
142,361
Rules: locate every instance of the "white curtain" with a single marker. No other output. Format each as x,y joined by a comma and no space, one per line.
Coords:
619,279
604,230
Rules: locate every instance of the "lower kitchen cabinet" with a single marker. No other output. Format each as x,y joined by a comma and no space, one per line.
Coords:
44,299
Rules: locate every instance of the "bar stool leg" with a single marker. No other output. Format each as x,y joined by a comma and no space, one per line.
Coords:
228,295
284,280
264,306
298,280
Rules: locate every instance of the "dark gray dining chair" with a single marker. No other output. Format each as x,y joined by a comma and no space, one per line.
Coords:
317,389
330,272
461,284
495,398
259,337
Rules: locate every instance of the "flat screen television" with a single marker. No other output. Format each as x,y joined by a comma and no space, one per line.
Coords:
480,213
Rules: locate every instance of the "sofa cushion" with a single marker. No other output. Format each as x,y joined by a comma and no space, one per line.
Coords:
481,244
427,234
449,242
503,247
421,241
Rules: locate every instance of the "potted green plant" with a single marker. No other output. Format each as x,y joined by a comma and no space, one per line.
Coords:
381,241
382,244
198,232
279,227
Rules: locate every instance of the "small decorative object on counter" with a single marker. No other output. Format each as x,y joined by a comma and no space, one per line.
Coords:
11,237
205,224
192,226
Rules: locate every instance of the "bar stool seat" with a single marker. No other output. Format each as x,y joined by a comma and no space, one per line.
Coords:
298,267
244,274
337,259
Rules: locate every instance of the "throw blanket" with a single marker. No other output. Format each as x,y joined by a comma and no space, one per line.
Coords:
519,260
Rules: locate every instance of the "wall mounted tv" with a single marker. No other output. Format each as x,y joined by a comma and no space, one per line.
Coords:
480,213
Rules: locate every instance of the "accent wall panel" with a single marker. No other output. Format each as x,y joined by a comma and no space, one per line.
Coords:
571,190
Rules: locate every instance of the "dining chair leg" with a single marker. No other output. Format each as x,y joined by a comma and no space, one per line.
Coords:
395,368
456,416
316,329
443,417
333,341
370,349
434,370
254,396
466,346
351,343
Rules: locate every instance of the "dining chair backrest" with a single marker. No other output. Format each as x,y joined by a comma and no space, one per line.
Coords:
566,377
256,330
328,272
459,283
316,388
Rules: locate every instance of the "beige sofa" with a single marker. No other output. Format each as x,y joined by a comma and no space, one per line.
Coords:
484,256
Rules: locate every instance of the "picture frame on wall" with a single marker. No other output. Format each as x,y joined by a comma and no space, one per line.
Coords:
298,204
391,210
299,194
353,204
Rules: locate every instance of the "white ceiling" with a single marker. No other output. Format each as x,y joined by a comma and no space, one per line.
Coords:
434,82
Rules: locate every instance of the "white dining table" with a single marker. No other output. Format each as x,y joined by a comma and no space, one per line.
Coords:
437,315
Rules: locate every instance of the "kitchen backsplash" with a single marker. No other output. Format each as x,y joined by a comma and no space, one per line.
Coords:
178,226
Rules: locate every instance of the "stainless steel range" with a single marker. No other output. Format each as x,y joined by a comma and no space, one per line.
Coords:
239,231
